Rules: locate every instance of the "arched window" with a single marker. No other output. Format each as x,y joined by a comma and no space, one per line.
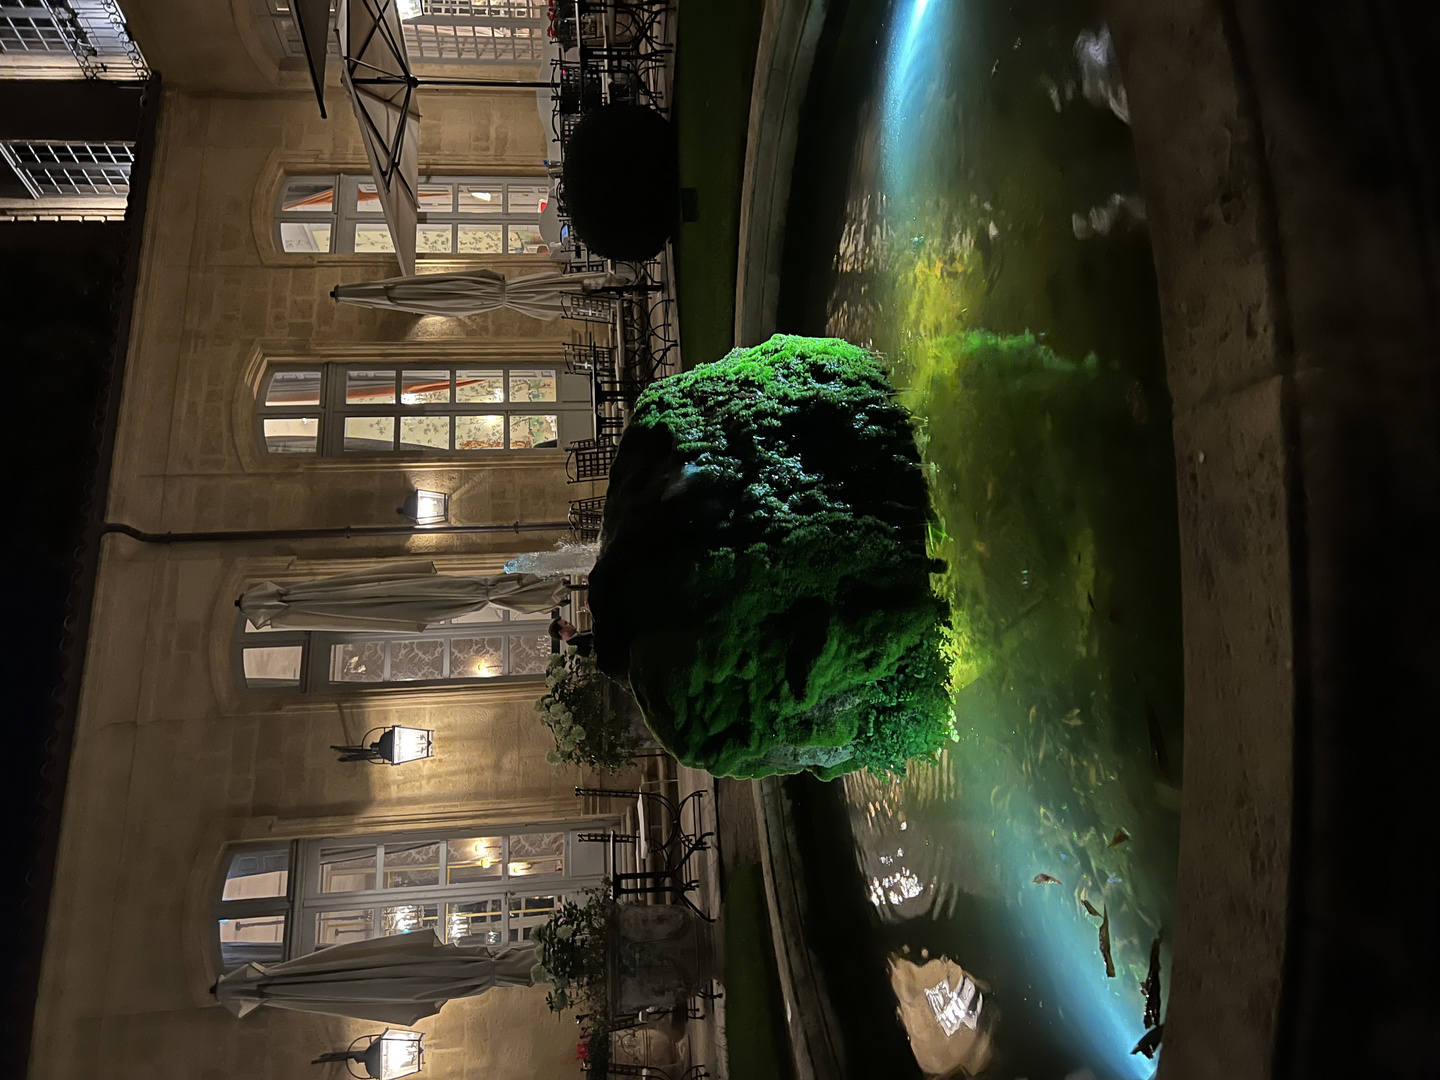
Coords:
468,408
487,647
461,215
490,886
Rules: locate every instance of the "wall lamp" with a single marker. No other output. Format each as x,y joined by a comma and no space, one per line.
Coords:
394,746
387,1056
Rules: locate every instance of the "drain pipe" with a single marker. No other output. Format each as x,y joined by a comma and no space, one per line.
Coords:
344,532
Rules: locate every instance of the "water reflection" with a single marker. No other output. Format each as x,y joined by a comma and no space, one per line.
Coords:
993,249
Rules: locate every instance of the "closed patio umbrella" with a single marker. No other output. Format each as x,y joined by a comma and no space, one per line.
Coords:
473,292
407,597
390,980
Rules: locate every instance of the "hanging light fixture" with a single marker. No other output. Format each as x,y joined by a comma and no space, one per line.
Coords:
425,507
393,746
387,1056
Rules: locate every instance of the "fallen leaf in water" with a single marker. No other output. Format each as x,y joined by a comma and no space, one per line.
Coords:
1072,718
1119,838
1034,711
1046,879
1150,1041
1089,907
1105,943
1152,985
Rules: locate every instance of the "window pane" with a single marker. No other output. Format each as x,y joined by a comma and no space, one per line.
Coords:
435,197
481,199
529,655
370,387
412,864
528,198
478,240
425,433
532,854
419,387
291,434
479,385
477,859
373,238
357,661
529,912
367,199
407,918
276,666
347,868
338,927
259,939
533,432
313,193
479,433
432,239
254,875
373,433
305,236
527,240
417,660
532,384
480,922
476,658
294,388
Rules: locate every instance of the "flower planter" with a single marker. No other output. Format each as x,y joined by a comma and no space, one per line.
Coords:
656,957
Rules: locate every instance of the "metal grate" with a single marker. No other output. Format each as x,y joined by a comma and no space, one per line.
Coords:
91,31
65,168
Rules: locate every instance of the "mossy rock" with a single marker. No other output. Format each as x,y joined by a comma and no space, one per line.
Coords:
763,583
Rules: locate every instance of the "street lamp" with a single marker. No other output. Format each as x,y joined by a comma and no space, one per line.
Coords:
395,746
387,1056
425,507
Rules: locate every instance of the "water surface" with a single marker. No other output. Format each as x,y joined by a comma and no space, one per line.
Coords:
983,231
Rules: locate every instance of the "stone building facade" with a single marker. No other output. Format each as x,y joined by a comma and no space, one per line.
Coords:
180,763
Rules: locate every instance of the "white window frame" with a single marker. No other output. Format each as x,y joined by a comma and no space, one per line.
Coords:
519,228
585,866
30,29
317,657
572,408
55,168
478,31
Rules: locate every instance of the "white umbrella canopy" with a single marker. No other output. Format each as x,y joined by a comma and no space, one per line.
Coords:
376,74
390,980
473,292
407,597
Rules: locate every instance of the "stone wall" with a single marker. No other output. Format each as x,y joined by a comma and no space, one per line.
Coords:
172,758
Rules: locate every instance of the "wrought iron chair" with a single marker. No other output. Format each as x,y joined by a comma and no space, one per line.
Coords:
586,517
589,459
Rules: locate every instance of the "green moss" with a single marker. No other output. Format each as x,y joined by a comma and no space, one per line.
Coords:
763,582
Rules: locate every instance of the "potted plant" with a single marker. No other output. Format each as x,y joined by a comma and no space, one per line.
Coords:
612,960
583,710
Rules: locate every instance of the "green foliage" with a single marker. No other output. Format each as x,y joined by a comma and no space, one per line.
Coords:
763,582
570,950
587,730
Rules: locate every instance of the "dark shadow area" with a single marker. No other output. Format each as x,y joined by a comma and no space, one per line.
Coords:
59,283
